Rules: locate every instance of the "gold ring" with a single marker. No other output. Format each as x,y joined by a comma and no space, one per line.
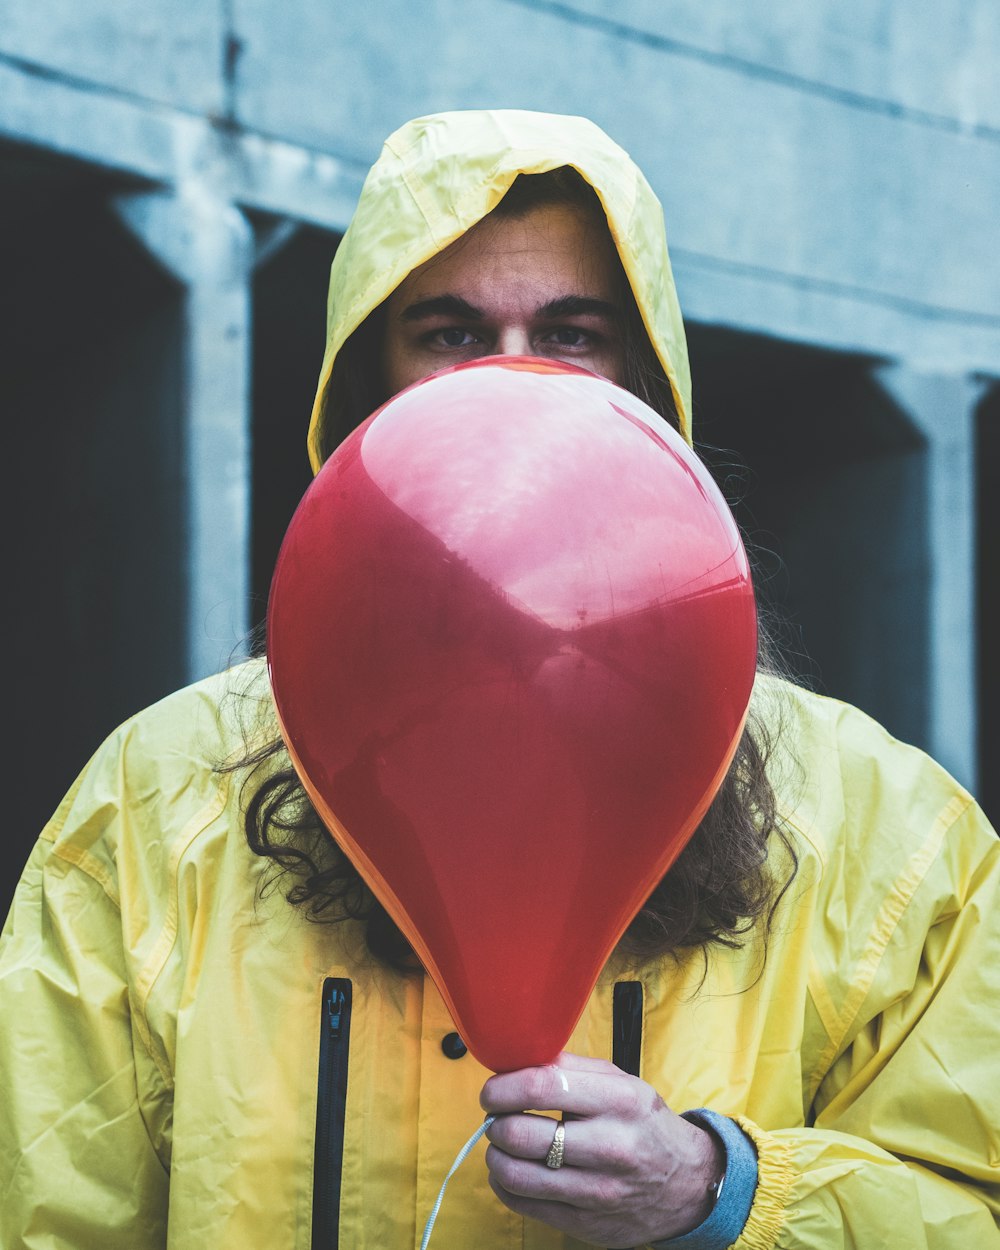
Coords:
557,1151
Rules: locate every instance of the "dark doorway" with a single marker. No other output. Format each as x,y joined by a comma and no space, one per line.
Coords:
89,389
833,501
289,336
988,584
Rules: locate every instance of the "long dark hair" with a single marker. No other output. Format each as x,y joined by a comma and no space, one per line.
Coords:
724,883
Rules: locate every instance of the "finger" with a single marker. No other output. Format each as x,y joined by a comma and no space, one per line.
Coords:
523,1135
576,1187
558,1215
604,1231
570,1062
586,1143
576,1092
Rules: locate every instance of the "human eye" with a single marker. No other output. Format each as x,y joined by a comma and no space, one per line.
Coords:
451,337
571,338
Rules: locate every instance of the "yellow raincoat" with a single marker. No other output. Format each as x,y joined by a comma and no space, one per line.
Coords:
175,1049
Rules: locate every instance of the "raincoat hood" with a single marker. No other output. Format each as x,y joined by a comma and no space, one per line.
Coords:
438,176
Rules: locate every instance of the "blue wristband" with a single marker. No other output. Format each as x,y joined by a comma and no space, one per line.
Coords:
726,1219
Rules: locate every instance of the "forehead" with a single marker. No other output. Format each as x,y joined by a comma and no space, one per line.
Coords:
550,249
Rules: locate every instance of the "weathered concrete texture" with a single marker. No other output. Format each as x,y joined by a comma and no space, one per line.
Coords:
794,211
208,247
164,145
943,410
834,314
938,59
173,51
753,172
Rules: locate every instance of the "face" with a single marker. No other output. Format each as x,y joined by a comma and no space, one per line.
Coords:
544,283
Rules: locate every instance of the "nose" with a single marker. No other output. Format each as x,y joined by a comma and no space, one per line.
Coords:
512,341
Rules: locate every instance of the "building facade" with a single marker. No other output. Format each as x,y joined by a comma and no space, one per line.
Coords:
176,175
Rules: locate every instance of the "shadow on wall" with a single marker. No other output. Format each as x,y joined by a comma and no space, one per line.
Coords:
289,303
988,587
94,470
835,510
92,477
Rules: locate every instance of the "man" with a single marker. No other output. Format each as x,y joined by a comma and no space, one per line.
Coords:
166,1018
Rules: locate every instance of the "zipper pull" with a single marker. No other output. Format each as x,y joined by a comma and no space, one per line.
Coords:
335,1012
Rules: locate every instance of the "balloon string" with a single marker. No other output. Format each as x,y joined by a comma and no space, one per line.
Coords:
459,1160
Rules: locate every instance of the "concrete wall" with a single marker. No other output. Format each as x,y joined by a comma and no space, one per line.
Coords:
829,171
830,174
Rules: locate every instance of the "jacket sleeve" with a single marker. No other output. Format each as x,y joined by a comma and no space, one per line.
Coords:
78,1167
901,1145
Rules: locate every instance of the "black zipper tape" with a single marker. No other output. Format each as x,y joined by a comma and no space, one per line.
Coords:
331,1109
331,1103
626,1027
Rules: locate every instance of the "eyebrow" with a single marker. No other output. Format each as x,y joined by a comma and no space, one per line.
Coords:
455,306
577,306
442,306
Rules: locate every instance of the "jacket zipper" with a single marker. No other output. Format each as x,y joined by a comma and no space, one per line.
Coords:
331,1107
331,1104
626,1026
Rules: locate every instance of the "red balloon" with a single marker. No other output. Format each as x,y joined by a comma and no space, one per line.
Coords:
512,638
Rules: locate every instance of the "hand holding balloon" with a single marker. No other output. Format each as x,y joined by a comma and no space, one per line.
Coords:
633,1171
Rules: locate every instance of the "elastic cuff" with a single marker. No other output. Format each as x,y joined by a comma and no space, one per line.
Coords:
776,1172
726,1219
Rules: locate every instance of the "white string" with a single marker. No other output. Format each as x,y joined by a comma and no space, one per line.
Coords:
459,1160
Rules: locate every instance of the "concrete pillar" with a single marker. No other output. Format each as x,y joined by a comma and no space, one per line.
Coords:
207,245
942,409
